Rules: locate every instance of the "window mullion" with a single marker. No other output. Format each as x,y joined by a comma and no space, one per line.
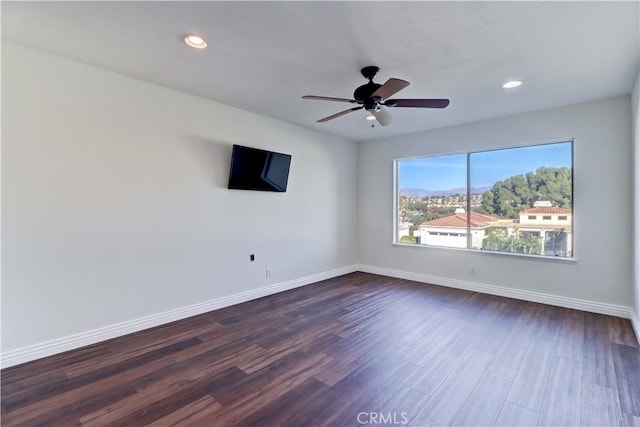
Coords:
468,207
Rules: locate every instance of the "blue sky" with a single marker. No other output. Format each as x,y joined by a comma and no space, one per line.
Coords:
488,167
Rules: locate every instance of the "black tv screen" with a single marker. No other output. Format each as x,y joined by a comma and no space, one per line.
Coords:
261,170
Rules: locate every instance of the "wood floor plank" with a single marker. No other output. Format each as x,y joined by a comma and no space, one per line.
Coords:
436,372
62,412
14,376
631,420
119,352
243,398
597,371
354,351
529,385
597,366
406,403
375,383
620,332
339,351
294,407
486,401
445,349
562,400
491,339
167,404
570,339
162,391
600,406
546,322
439,336
511,352
446,401
58,387
513,415
189,415
25,384
626,360
336,400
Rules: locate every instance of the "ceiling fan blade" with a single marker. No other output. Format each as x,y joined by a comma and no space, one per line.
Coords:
382,116
341,113
390,88
329,98
417,103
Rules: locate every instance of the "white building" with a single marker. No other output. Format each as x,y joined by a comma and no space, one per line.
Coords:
451,230
404,229
553,225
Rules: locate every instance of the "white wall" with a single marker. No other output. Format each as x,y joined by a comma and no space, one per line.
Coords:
603,203
635,108
115,203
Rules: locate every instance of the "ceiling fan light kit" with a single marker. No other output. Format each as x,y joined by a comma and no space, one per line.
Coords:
195,41
373,96
511,84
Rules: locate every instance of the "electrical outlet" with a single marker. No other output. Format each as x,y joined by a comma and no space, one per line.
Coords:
268,273
472,270
252,257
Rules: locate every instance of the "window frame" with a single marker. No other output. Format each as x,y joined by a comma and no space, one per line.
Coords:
396,202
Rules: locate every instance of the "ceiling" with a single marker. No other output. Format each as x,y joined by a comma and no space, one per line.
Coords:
263,56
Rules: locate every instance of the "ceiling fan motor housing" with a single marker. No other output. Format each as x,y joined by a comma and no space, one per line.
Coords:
364,92
371,104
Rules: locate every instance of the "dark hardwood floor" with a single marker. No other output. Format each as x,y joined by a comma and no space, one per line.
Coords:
356,350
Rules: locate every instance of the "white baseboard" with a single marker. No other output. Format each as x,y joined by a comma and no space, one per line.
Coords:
71,342
578,304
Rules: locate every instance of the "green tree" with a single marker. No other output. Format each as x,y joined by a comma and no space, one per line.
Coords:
499,240
510,196
407,239
532,245
496,240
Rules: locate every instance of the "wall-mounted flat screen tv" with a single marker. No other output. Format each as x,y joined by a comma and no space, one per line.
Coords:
260,170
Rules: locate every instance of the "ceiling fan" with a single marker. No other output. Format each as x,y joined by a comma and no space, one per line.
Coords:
373,96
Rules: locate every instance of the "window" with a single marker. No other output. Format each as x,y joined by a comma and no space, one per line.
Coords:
527,233
489,200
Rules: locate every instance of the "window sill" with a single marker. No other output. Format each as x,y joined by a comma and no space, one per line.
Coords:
544,258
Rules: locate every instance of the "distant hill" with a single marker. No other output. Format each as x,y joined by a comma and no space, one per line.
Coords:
421,192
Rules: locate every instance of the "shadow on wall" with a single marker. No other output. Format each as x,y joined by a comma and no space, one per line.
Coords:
213,158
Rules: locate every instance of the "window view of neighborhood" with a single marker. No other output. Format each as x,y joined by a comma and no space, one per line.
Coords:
519,200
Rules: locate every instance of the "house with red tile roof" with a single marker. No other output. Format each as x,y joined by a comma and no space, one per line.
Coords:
451,231
551,224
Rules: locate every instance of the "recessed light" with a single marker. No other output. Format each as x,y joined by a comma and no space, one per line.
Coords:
511,84
196,41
